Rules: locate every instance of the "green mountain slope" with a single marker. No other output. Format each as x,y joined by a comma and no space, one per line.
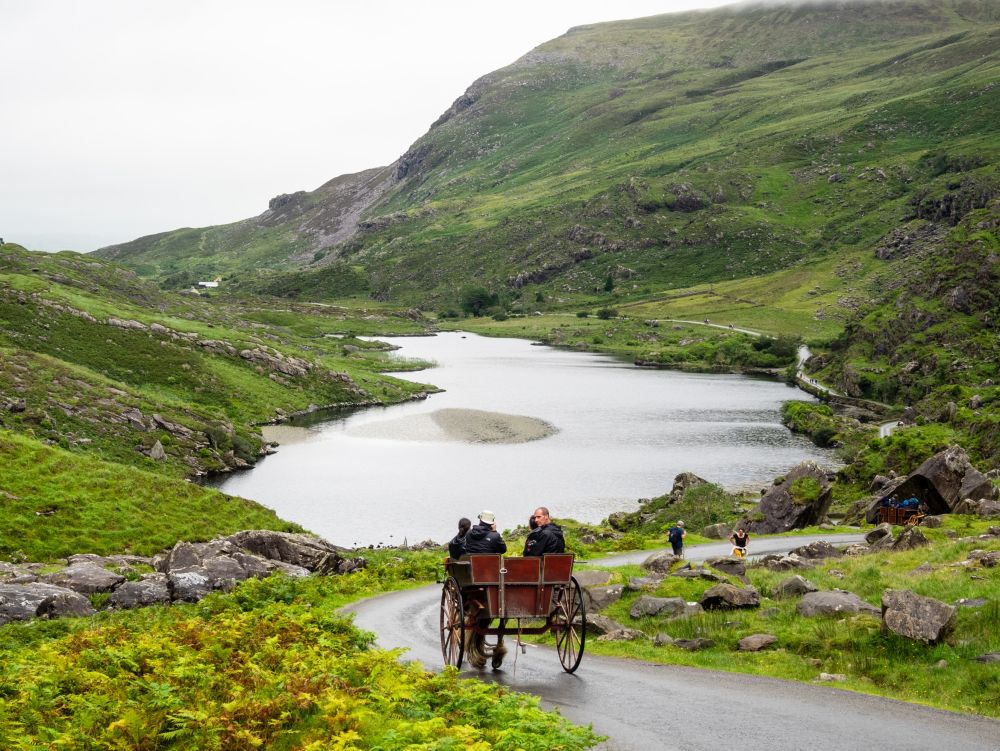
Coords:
662,152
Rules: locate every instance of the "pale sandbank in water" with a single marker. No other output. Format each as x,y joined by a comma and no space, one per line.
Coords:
465,425
286,435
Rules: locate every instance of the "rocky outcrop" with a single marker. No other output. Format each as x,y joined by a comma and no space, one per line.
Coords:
21,602
86,577
941,484
916,617
801,498
834,602
186,573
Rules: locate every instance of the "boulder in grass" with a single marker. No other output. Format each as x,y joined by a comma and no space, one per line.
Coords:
728,565
661,563
666,606
592,578
728,597
794,586
910,539
599,625
21,602
835,602
623,634
150,590
818,550
882,530
718,531
86,578
598,598
639,583
916,617
693,645
989,657
756,642
802,498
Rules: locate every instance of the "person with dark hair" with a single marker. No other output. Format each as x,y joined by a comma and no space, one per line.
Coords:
483,537
547,538
456,548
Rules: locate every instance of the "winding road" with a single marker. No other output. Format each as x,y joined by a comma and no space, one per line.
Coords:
645,707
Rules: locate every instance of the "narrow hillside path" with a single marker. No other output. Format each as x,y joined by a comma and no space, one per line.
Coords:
645,707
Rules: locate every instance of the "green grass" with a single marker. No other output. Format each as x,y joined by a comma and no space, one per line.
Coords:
874,662
56,503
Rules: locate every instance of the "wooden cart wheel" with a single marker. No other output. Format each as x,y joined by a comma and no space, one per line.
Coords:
452,623
569,621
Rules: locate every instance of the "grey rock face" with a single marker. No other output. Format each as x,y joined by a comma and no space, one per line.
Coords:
778,562
942,483
756,642
727,565
909,539
86,578
817,551
150,590
783,507
668,606
188,586
833,603
303,550
916,617
726,596
882,530
598,598
600,624
19,602
794,586
592,578
639,583
660,563
622,634
718,531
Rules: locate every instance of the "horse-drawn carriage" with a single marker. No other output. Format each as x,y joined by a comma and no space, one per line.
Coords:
483,589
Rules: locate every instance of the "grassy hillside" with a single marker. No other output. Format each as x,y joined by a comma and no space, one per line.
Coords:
56,503
663,152
100,362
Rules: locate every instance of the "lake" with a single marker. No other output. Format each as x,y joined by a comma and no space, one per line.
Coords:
621,433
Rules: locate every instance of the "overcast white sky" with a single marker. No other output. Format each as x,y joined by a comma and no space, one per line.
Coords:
122,118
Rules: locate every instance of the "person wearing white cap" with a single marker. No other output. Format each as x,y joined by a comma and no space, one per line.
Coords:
676,537
483,537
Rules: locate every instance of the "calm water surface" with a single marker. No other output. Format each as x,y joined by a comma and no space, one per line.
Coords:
623,433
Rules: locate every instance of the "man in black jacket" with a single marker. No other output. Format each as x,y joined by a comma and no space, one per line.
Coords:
548,538
484,538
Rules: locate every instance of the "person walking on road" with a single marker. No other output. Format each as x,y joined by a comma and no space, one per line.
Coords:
676,537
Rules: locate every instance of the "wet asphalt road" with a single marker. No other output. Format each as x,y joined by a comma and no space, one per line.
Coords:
643,707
